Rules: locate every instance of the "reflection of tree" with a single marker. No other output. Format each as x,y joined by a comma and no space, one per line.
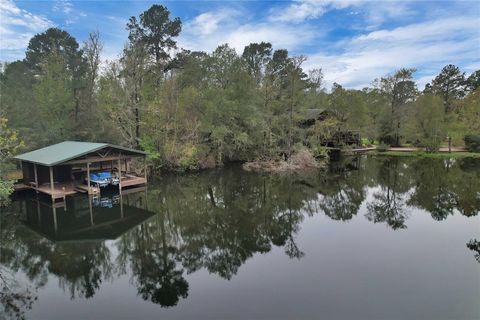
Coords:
15,297
388,203
81,267
224,218
432,188
443,186
342,190
474,245
218,219
150,251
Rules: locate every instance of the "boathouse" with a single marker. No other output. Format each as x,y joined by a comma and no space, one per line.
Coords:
68,167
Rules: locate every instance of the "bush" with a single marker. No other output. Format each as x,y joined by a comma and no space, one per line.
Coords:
320,152
472,142
383,147
6,189
431,145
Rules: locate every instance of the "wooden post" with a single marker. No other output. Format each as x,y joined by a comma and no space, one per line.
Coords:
121,206
449,144
126,168
39,213
51,183
146,199
55,225
88,178
119,176
64,200
145,167
36,177
90,199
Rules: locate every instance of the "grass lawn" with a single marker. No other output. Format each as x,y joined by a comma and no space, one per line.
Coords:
429,155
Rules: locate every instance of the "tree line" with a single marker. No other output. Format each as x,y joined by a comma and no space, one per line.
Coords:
193,109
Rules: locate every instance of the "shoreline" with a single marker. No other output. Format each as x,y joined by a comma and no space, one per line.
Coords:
424,154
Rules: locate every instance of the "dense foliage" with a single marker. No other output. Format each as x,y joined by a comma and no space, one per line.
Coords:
473,142
193,110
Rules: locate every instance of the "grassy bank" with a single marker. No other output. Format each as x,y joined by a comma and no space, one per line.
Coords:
429,155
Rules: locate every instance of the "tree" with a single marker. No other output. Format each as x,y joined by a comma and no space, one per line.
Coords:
473,81
53,40
55,99
348,107
17,100
156,32
427,122
114,104
92,49
469,113
63,45
257,56
450,85
399,89
9,144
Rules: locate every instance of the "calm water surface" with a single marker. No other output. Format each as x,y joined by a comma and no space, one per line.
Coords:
372,238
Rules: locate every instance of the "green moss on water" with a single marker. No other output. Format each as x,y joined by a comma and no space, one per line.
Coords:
429,155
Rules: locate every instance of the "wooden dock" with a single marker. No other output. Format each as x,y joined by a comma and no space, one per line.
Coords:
130,180
61,190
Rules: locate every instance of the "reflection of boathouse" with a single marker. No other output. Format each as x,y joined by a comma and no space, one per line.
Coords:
87,218
69,167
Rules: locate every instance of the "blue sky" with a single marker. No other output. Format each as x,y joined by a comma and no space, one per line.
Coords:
353,41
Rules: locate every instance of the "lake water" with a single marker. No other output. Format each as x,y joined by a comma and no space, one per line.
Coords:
371,238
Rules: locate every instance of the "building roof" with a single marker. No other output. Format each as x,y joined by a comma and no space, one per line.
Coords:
67,150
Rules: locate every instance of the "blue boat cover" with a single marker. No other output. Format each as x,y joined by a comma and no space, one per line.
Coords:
101,176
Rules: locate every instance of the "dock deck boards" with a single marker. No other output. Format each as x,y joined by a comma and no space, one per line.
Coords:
132,181
61,190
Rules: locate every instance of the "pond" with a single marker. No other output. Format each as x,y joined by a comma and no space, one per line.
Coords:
370,238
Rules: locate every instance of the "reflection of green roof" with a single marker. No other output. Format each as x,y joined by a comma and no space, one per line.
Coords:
67,150
75,224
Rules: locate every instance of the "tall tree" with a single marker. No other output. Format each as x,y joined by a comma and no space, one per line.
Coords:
53,40
473,81
399,89
17,99
157,32
450,85
257,56
426,122
54,98
42,45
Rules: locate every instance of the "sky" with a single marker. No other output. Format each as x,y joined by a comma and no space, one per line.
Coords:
353,41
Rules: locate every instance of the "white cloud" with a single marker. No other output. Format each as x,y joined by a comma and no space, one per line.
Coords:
63,6
427,46
66,8
375,12
208,22
299,11
211,29
16,28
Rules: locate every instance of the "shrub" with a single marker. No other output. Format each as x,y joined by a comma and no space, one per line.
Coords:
431,145
383,147
320,152
6,189
303,159
472,142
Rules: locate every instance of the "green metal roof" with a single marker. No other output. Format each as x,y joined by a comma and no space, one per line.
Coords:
67,150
